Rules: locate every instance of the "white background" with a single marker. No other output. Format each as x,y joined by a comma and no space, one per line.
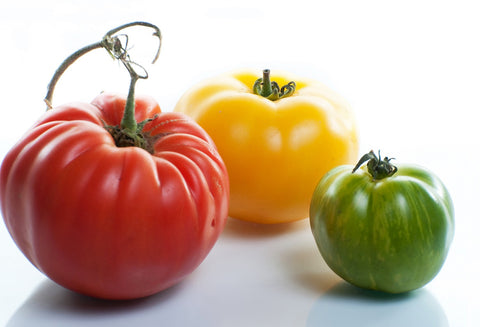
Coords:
410,70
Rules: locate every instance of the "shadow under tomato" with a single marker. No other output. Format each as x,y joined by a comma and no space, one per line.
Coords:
237,228
307,268
347,305
52,305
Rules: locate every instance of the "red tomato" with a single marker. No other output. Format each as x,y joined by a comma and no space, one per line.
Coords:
114,222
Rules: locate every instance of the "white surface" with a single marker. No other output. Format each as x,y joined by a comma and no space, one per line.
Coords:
410,70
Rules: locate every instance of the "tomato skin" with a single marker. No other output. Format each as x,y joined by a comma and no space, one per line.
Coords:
110,222
391,235
272,149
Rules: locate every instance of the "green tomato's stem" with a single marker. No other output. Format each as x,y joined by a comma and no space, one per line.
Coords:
270,89
377,167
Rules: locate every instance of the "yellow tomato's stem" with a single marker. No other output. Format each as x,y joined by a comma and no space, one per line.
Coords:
270,89
267,89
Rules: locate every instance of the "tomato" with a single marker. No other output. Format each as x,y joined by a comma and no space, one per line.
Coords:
380,227
107,218
276,143
107,221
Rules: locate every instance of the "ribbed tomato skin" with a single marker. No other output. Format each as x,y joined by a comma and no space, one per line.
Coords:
391,235
275,151
110,222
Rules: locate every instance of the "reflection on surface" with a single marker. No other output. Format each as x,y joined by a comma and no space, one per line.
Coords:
346,305
52,305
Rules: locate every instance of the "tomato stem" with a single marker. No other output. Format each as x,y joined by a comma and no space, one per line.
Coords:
270,89
129,133
129,123
377,167
66,63
109,42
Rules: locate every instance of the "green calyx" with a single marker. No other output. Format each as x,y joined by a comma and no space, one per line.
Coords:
377,167
129,133
270,89
125,137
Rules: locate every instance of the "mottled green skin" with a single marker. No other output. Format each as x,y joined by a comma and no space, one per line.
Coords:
390,235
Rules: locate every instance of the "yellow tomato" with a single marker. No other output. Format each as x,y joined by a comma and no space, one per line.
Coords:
276,150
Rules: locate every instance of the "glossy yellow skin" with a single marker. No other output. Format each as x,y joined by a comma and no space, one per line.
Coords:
275,151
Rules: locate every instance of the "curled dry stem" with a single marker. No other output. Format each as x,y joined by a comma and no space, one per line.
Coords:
114,46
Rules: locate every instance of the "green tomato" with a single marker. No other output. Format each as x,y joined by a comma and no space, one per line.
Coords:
382,228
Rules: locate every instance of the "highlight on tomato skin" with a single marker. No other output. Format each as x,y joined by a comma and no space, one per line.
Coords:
278,135
382,226
114,199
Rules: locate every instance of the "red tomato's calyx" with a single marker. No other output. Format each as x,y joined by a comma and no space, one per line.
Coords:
377,167
138,138
270,89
